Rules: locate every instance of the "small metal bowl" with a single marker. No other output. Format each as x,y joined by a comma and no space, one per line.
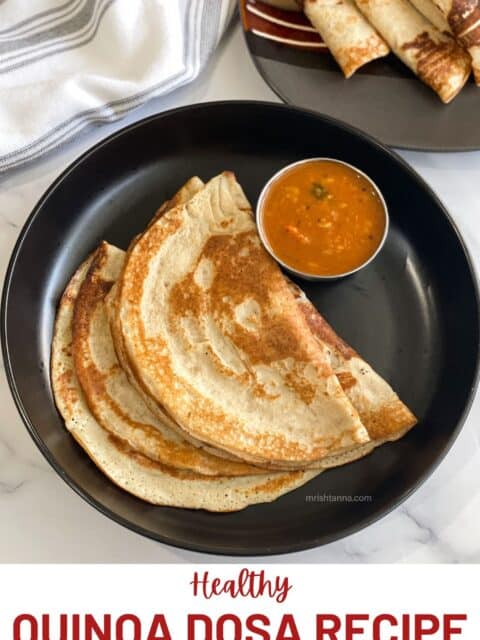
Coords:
301,274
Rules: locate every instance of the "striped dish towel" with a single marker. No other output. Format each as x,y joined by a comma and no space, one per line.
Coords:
65,64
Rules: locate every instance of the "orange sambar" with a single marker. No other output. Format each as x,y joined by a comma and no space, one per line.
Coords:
323,218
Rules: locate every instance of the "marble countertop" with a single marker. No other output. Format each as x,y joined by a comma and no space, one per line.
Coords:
43,520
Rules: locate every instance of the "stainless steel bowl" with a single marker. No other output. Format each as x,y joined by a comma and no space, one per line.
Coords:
301,274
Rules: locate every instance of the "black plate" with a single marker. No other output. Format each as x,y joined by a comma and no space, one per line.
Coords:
384,98
413,313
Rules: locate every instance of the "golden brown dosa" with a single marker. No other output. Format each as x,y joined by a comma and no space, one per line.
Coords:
216,337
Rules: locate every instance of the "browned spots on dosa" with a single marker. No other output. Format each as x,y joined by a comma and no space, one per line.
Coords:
355,57
65,389
300,386
278,482
346,379
68,297
393,418
93,290
65,378
435,60
242,272
463,15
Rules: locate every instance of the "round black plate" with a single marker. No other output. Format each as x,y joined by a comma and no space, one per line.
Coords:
413,313
383,98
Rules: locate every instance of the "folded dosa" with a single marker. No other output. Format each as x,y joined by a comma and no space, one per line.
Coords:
140,476
382,412
432,55
433,14
114,402
314,319
215,336
350,38
463,16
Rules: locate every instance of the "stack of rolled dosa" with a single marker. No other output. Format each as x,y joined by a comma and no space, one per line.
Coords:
439,40
195,374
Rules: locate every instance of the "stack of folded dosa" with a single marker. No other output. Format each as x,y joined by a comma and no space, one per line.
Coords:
439,40
196,375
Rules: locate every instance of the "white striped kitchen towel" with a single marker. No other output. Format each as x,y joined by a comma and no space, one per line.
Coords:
67,63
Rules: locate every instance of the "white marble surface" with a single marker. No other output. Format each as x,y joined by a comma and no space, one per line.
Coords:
43,520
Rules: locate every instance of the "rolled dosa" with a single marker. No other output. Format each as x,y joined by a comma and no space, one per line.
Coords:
350,38
432,55
463,16
433,14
